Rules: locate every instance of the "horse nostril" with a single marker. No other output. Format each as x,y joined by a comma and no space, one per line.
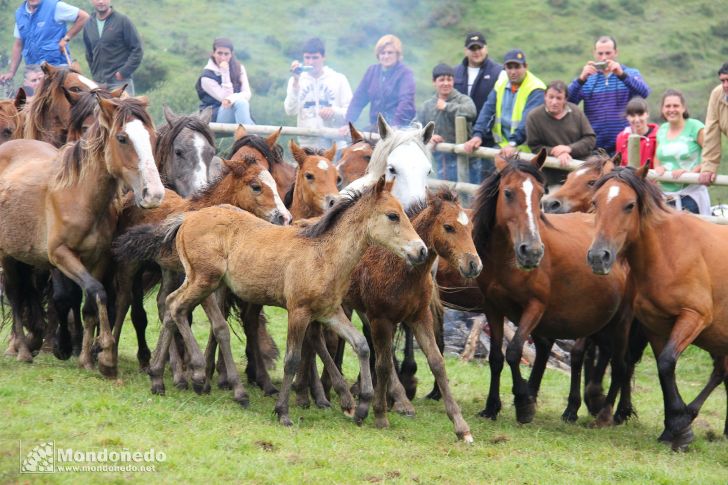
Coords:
553,204
145,193
423,253
330,201
606,256
473,267
523,249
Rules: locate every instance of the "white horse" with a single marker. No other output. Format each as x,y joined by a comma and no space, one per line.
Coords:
402,156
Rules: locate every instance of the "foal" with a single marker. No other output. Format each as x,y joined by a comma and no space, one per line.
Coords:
307,271
283,172
317,179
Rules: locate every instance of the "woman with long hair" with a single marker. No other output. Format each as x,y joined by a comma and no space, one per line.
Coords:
223,85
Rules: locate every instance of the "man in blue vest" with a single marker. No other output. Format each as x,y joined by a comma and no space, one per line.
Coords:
41,35
507,107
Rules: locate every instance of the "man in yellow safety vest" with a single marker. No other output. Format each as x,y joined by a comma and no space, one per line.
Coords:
515,94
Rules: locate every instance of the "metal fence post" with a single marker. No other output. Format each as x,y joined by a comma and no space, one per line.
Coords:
461,136
633,150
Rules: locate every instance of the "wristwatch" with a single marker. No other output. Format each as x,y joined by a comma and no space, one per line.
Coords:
67,38
512,143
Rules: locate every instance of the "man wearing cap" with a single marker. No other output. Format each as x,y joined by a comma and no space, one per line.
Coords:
40,33
507,107
716,125
606,86
442,108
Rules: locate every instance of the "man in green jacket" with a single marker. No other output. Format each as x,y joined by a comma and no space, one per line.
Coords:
442,108
113,47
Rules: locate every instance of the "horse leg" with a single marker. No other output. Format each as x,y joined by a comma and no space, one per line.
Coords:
438,322
170,282
16,276
594,390
381,333
495,360
570,414
523,400
408,368
222,335
340,324
124,283
298,321
635,348
678,417
210,353
159,357
619,331
717,376
425,335
346,400
302,381
251,327
139,320
543,351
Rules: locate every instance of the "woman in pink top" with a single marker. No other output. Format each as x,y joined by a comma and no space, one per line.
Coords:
638,115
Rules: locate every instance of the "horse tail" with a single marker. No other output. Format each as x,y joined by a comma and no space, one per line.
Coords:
266,345
147,242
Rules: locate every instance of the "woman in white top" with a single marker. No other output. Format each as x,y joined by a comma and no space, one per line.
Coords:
223,85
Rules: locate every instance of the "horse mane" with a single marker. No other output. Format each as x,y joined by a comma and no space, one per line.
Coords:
378,163
168,133
313,151
85,107
487,197
238,169
444,194
79,157
288,198
334,215
258,143
649,197
40,109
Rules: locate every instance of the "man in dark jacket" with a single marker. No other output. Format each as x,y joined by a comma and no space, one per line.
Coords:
475,76
113,47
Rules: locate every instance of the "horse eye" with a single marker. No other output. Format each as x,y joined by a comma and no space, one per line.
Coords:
256,188
629,207
591,183
449,228
508,194
75,89
392,170
121,138
178,152
339,180
309,176
392,216
7,132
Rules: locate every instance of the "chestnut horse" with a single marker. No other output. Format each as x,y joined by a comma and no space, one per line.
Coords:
531,268
355,158
677,269
56,208
317,179
8,119
388,291
271,265
283,172
575,194
243,184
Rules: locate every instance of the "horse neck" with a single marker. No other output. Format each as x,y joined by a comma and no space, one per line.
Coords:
96,186
223,192
647,251
299,208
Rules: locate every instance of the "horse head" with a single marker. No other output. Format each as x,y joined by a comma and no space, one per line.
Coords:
317,179
185,148
355,158
128,146
623,200
8,120
576,193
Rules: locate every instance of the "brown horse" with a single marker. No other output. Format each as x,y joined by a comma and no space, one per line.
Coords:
531,268
317,180
677,269
243,184
389,292
9,116
57,210
355,158
283,172
282,266
575,194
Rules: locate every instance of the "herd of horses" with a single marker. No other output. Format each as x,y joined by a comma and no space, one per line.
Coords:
97,208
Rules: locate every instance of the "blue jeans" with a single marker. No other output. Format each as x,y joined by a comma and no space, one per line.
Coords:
446,167
238,113
688,204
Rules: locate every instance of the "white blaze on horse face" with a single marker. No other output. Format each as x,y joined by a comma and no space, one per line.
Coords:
151,190
268,180
580,172
409,166
88,82
199,176
613,192
463,218
358,149
528,191
323,164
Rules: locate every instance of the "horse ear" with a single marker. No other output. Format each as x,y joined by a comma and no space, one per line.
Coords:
500,163
331,152
240,132
609,164
384,128
355,135
119,92
48,69
428,132
380,185
108,108
169,115
273,138
538,160
143,99
643,170
436,202
297,152
616,159
205,115
20,99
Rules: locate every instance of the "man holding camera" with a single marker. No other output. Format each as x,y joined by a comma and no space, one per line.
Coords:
606,86
317,94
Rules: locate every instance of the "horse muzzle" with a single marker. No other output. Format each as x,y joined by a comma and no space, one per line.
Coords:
279,218
553,205
416,253
528,256
470,266
600,259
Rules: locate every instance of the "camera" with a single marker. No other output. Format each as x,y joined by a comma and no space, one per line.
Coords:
301,69
600,66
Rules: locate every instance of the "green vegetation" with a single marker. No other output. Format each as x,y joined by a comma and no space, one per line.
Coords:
211,439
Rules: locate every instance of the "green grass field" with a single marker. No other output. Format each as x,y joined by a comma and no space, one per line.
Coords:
211,439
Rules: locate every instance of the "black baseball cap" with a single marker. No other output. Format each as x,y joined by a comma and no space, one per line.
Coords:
474,38
515,55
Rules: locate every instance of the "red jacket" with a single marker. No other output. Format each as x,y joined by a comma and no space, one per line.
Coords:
648,145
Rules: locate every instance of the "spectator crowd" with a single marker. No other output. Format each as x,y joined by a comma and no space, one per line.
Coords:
506,106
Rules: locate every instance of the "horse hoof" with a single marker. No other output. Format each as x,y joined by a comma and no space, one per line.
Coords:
488,414
61,353
381,423
665,437
110,372
525,412
270,391
243,400
24,356
362,410
285,421
569,416
682,439
404,409
303,403
198,387
468,438
158,389
224,385
323,404
435,394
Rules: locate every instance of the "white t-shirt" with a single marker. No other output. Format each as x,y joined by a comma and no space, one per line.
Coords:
64,13
472,74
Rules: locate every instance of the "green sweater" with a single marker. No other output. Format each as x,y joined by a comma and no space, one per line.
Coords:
457,104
